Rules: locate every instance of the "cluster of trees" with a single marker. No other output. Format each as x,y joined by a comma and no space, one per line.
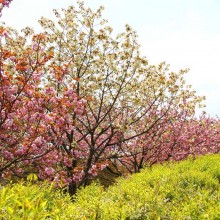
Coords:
76,99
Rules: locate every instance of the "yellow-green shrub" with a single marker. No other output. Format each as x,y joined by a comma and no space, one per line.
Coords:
30,201
186,190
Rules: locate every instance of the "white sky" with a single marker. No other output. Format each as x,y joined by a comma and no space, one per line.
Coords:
184,33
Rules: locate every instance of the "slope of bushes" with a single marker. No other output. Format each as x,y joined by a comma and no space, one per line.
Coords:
186,190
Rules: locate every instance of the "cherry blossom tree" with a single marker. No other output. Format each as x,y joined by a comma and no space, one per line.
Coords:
197,136
33,115
174,139
126,97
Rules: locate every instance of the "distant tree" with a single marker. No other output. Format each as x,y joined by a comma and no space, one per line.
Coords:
172,140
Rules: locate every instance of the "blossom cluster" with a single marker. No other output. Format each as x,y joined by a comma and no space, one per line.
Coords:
4,3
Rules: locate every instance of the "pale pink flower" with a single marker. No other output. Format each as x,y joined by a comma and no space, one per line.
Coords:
49,90
34,46
60,121
39,141
79,111
49,171
5,33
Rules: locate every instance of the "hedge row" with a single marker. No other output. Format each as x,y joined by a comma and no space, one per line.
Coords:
186,190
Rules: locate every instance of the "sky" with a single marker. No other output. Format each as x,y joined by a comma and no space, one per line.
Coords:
184,33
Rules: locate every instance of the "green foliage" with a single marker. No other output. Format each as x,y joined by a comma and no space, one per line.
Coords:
31,201
186,190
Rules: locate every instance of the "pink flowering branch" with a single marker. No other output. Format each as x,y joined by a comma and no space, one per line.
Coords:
4,3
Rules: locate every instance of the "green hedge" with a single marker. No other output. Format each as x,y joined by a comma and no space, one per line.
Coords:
186,190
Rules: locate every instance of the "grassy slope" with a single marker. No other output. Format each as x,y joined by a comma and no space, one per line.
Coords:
186,190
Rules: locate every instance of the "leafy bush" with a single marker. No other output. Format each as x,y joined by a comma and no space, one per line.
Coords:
189,189
31,201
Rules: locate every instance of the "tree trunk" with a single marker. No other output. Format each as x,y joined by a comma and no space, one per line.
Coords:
72,187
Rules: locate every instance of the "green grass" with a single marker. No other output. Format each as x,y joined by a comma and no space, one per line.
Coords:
185,190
